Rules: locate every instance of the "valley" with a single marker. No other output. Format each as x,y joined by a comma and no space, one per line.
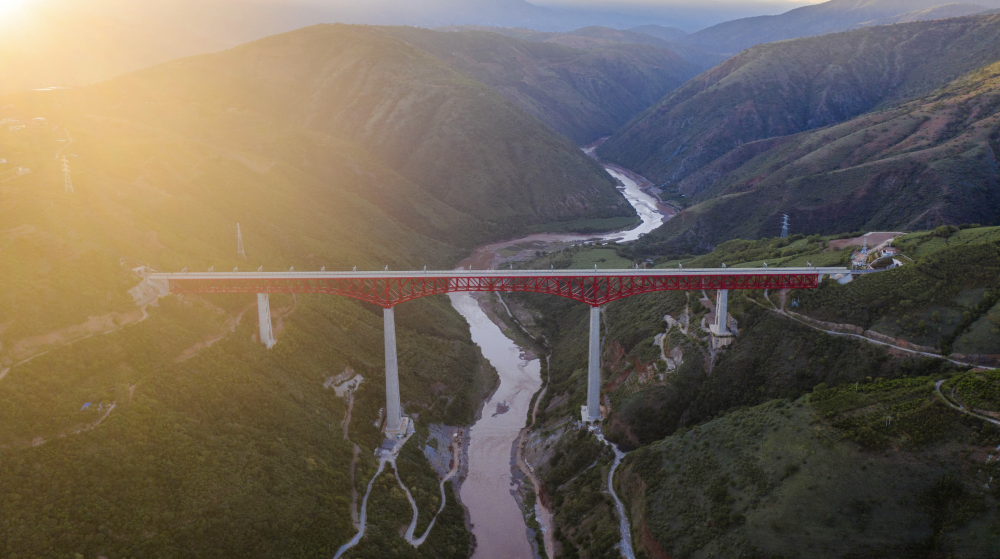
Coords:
495,439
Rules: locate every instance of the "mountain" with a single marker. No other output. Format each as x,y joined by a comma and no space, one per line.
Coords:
198,439
829,17
582,94
826,475
788,87
937,12
660,32
46,43
429,122
729,446
726,141
598,36
925,163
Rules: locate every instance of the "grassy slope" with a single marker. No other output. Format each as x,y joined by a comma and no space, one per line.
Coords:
582,94
944,300
821,477
459,140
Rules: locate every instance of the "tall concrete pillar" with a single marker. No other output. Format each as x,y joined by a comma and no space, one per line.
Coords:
264,317
722,312
594,367
393,417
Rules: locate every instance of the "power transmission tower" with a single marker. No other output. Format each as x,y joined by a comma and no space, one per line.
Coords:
68,181
784,226
239,242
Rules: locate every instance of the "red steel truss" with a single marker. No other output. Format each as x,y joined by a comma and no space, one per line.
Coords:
594,290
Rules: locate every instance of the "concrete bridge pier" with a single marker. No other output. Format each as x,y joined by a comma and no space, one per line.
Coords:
721,336
393,416
592,411
264,317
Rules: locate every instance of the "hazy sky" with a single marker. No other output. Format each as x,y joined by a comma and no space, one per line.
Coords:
690,15
778,4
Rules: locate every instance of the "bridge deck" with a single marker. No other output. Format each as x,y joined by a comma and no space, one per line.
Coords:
594,287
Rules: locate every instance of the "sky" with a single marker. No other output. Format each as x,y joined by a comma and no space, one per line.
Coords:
690,15
783,5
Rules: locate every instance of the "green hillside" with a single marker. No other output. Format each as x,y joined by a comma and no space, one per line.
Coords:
459,140
598,37
701,481
946,300
582,94
821,476
913,166
214,446
783,88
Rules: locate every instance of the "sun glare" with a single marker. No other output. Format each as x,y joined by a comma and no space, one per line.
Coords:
6,6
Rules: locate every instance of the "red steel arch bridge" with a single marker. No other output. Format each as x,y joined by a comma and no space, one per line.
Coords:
388,289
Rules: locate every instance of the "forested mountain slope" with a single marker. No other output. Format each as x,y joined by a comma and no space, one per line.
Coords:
459,140
779,89
790,438
598,36
582,94
915,166
828,17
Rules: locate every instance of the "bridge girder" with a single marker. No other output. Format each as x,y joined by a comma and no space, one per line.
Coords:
595,290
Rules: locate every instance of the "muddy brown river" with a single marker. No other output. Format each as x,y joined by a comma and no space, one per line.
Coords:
488,491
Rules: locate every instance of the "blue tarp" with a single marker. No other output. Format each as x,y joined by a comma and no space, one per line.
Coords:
85,406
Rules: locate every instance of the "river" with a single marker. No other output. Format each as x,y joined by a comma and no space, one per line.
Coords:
488,491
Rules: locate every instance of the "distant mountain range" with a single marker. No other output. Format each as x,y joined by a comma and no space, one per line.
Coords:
597,36
829,17
73,42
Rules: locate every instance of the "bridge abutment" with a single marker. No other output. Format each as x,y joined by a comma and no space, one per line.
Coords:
264,318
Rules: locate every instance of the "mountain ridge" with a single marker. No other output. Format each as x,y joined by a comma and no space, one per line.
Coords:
828,17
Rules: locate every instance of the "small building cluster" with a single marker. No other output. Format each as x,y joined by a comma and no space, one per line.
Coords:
882,257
